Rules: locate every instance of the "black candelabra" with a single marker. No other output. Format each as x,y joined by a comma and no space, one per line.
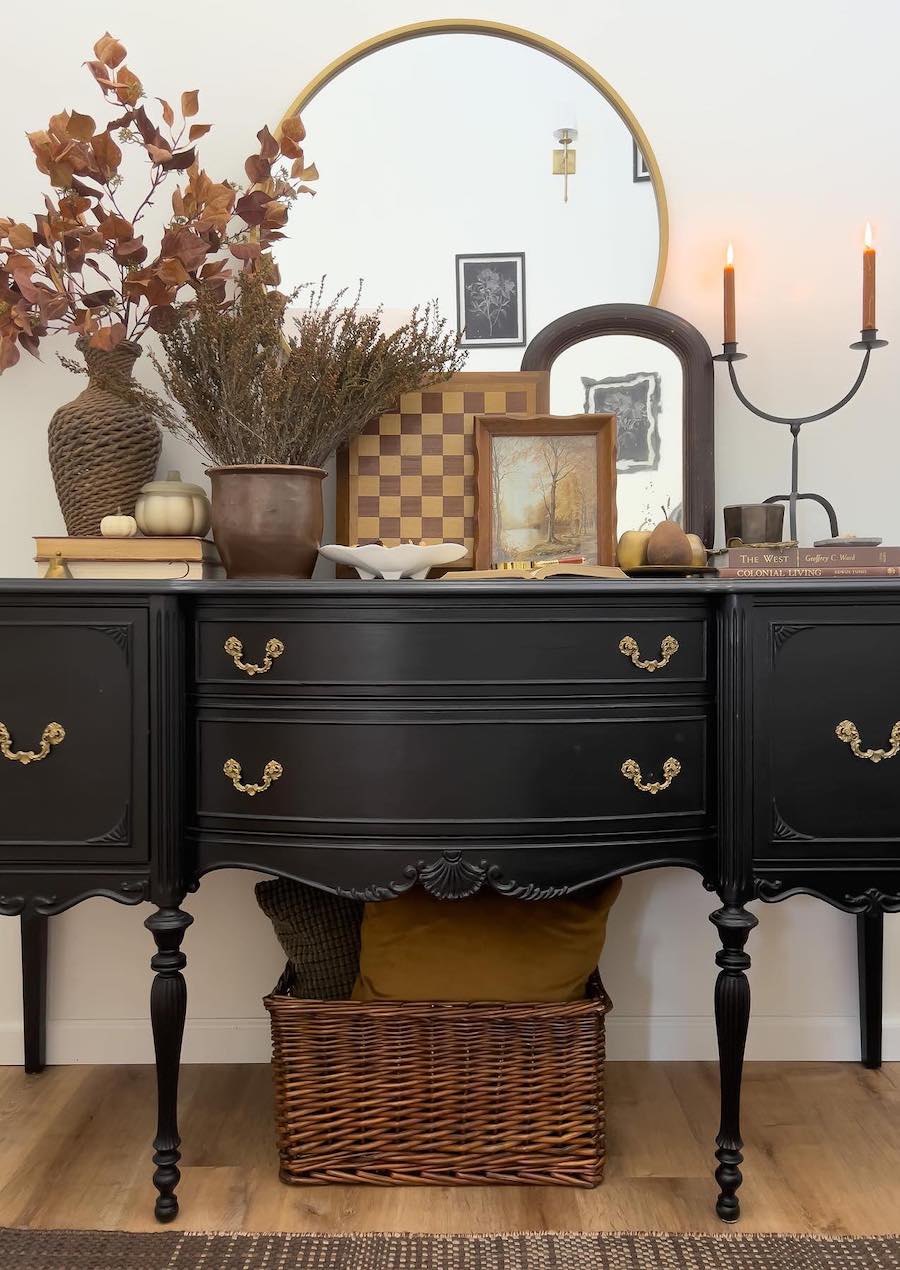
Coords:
867,341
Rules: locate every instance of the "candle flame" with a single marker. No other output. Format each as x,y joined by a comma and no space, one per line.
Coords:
729,255
868,235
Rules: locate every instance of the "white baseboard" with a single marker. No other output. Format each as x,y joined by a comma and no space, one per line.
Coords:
662,1038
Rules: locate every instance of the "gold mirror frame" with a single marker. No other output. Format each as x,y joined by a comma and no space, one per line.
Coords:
476,26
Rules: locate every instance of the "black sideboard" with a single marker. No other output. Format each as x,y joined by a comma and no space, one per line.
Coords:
370,737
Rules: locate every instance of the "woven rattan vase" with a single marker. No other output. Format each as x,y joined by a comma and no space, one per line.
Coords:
103,446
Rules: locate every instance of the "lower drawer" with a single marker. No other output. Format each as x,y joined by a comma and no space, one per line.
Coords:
456,776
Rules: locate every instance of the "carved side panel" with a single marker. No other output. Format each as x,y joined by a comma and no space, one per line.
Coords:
168,763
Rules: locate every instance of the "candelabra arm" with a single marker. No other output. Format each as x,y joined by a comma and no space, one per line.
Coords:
796,423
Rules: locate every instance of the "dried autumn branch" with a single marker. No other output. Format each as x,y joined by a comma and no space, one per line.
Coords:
84,266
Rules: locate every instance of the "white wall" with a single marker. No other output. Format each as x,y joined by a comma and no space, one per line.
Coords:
774,126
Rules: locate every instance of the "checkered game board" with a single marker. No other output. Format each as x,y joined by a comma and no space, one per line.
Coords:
410,475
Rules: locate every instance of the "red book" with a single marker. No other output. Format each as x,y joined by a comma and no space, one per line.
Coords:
756,572
809,557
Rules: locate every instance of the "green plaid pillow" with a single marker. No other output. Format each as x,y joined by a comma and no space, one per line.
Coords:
319,933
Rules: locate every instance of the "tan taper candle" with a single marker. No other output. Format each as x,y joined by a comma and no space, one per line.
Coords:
868,314
730,327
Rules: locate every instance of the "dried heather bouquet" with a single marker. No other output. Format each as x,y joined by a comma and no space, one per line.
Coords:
250,392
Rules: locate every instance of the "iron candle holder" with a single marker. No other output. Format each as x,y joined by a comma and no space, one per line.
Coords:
866,343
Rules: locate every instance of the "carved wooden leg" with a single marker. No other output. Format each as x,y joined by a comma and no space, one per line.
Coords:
870,949
34,989
168,1005
734,924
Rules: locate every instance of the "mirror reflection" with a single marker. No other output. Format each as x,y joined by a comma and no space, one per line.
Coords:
641,382
476,147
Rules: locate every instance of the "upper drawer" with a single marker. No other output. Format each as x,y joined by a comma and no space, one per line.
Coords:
604,651
827,729
73,745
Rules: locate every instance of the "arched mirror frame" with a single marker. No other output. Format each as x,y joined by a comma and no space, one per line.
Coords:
476,26
695,356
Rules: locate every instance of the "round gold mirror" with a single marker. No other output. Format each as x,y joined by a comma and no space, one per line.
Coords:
483,166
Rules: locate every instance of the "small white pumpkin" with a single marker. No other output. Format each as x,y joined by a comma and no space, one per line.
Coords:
118,526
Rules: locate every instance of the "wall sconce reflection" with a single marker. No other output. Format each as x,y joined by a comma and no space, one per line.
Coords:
564,159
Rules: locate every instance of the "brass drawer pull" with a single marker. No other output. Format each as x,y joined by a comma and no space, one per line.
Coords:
628,647
631,770
235,650
849,733
52,735
271,772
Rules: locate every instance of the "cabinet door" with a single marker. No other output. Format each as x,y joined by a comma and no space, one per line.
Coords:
73,705
827,732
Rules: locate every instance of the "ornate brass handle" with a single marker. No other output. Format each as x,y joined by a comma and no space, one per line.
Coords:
271,772
631,770
849,733
235,650
628,647
52,734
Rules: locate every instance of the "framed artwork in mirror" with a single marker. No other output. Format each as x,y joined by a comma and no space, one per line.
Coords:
545,488
490,300
653,370
635,401
639,169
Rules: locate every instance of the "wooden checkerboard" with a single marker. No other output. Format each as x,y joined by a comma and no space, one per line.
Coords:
410,475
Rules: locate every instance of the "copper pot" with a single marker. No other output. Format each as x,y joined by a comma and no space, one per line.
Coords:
267,519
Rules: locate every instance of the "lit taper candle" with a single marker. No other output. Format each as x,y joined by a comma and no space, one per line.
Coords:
730,336
868,313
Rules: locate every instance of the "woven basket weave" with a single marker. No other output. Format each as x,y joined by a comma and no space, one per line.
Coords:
103,446
439,1093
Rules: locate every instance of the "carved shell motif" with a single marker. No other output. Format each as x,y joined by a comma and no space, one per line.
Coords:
450,877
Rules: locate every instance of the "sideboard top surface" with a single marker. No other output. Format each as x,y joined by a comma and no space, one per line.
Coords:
512,590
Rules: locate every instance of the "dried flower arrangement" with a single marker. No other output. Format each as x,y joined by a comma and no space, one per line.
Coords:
251,391
45,271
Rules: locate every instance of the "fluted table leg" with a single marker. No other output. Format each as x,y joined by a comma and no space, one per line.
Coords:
734,924
168,1006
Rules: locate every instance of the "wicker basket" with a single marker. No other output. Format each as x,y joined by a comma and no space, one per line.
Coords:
444,1093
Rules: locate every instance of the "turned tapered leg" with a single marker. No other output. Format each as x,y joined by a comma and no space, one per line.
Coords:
168,1005
734,923
870,949
34,989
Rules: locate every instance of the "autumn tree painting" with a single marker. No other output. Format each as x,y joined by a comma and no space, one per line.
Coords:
544,497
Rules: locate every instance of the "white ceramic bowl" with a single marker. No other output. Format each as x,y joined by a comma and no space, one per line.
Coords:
405,561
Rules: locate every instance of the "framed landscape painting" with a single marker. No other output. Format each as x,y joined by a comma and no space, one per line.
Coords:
545,488
490,300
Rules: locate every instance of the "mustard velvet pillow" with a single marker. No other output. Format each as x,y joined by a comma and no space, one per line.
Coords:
485,948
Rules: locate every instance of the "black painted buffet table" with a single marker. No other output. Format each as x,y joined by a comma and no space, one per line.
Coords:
370,737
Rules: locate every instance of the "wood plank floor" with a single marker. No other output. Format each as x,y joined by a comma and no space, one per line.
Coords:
823,1155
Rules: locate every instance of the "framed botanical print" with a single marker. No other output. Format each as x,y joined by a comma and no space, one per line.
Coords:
635,401
490,300
410,474
545,488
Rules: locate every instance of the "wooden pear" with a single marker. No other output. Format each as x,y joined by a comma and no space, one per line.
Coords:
669,545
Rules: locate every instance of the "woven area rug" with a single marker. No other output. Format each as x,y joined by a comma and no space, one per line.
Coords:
175,1250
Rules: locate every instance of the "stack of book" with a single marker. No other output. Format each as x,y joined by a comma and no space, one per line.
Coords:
809,562
131,557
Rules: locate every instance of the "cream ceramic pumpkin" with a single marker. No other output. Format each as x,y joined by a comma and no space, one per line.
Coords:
172,509
118,526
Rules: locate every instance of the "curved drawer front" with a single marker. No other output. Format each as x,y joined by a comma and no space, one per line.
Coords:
465,776
607,650
828,730
74,791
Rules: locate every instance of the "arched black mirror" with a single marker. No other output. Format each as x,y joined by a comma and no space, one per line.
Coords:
654,371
